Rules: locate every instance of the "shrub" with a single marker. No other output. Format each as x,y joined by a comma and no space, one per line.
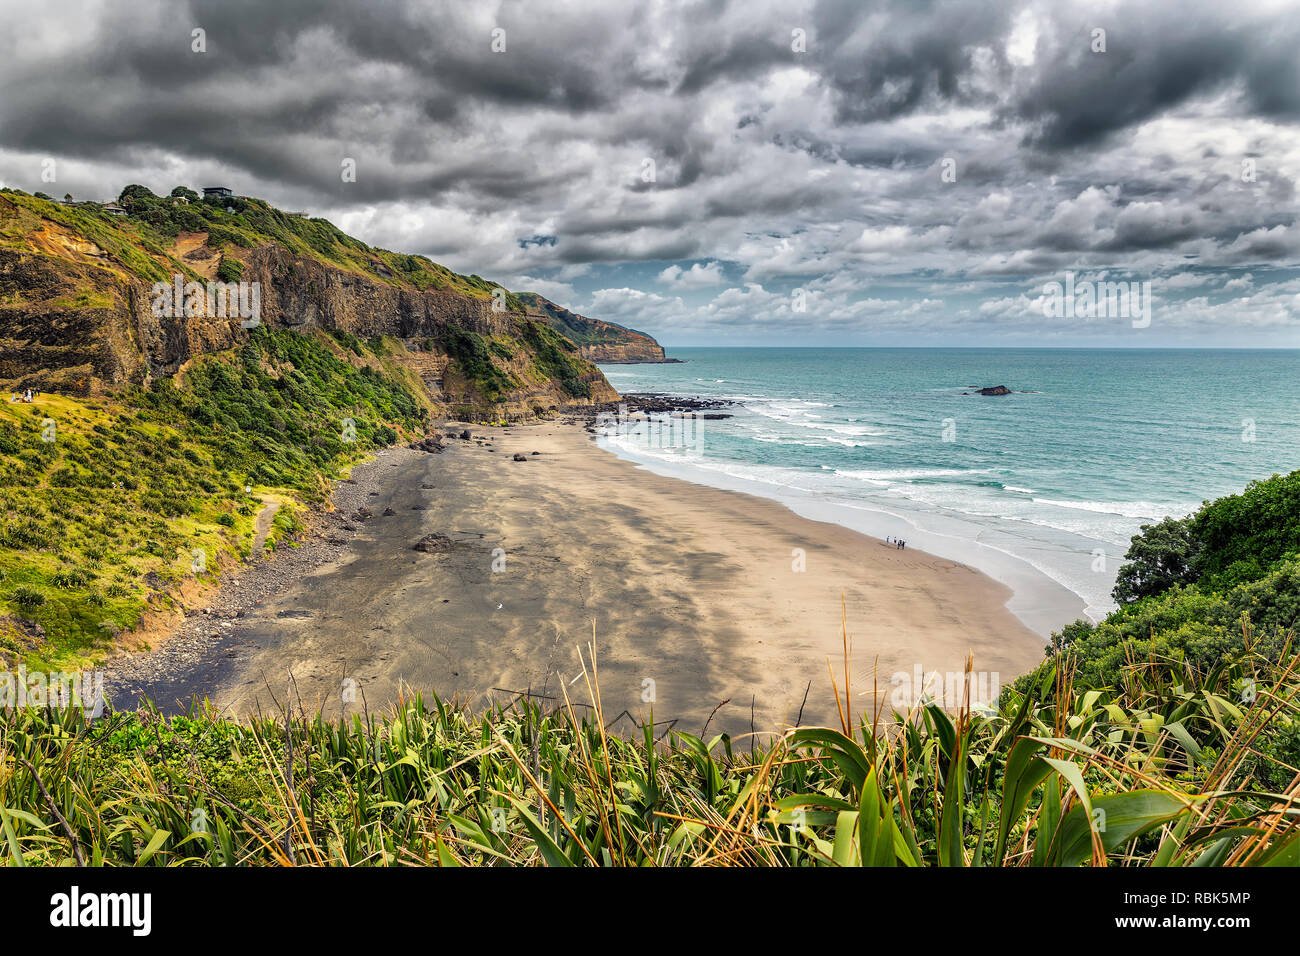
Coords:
1162,556
27,597
230,270
70,578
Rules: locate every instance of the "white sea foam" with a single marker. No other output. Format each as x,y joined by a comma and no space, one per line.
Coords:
1125,509
908,474
860,431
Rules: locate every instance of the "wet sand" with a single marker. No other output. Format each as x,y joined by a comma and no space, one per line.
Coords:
694,594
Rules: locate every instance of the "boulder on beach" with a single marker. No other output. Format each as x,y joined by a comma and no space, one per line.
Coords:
520,457
432,543
432,444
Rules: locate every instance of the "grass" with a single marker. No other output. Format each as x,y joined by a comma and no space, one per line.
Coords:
83,300
1180,769
100,524
138,243
557,358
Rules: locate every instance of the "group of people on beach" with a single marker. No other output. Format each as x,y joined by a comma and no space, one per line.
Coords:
898,543
25,398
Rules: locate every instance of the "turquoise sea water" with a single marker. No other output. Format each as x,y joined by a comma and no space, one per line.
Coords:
1055,477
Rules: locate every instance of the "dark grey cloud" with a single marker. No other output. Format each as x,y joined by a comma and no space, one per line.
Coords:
820,167
1153,62
892,58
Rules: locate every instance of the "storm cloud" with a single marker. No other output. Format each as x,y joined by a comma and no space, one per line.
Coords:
916,170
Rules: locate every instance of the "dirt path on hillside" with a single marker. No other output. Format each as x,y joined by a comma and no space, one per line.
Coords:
262,528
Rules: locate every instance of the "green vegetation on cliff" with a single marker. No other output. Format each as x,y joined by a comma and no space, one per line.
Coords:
594,337
139,241
1201,590
473,354
556,357
105,505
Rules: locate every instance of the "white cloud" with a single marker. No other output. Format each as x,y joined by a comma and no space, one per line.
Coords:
698,276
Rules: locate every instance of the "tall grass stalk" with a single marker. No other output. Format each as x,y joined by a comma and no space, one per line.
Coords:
1177,768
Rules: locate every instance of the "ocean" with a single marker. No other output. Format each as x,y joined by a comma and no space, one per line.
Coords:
1041,489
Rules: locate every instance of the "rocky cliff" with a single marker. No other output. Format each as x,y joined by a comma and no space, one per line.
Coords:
86,303
599,341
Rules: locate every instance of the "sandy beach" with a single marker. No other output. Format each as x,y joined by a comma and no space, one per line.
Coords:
700,598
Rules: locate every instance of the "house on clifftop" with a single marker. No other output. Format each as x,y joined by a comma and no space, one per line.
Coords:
217,192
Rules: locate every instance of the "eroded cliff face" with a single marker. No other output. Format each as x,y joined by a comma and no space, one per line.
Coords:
74,318
56,336
598,341
638,349
305,294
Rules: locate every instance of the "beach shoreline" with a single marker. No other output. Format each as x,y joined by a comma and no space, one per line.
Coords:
1041,602
709,606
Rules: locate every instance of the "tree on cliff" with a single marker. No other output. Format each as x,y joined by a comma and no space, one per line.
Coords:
134,195
1161,556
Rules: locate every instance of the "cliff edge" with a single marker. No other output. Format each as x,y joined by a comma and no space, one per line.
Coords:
597,340
98,296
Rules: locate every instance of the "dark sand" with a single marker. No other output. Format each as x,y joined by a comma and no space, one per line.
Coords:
691,591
